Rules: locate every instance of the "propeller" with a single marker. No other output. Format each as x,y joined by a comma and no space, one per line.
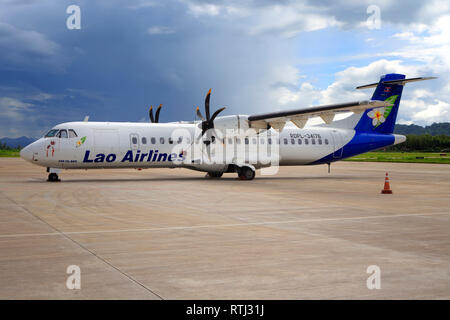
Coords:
156,118
208,122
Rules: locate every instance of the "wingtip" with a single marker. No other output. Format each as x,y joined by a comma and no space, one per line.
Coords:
209,92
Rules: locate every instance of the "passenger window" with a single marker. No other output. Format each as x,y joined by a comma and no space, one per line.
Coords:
134,140
285,141
161,140
188,140
269,140
306,141
153,140
292,141
230,141
170,141
326,141
261,141
313,141
180,140
254,140
238,141
72,133
320,141
62,133
144,140
299,141
246,140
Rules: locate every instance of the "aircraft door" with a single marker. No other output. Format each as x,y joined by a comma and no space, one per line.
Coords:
338,144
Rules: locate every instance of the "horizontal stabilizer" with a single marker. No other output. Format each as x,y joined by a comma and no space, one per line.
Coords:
400,82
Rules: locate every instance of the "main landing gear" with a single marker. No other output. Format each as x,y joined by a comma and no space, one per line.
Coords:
214,175
246,173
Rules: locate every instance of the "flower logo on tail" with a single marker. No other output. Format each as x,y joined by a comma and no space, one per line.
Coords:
379,115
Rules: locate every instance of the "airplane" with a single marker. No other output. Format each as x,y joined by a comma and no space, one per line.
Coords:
238,144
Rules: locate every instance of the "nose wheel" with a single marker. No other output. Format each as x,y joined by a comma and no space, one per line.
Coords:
53,177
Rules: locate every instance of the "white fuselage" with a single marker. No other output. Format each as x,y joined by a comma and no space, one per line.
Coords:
147,145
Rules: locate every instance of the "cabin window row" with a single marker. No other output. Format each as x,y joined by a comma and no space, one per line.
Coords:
187,140
305,141
277,141
161,140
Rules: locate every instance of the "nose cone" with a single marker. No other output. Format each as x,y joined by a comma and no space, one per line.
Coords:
27,153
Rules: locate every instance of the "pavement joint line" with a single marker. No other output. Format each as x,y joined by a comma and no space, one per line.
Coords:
66,235
58,232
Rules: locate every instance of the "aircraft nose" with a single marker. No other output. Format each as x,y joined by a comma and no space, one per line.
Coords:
26,153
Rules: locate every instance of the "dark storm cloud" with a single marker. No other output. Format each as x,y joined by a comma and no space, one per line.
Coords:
130,54
122,66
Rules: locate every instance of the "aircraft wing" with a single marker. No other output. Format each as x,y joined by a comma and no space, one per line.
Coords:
299,117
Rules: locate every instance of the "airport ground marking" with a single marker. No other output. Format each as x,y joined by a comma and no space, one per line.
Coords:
228,225
66,235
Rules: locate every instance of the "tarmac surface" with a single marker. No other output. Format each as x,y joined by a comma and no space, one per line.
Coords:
172,234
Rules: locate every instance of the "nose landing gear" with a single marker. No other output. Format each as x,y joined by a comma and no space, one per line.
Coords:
53,177
53,174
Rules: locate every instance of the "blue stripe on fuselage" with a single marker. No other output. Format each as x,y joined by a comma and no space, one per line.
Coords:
361,143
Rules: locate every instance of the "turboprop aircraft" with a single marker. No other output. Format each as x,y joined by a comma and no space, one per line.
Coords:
234,143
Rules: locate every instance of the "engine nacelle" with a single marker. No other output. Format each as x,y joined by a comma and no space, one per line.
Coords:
232,126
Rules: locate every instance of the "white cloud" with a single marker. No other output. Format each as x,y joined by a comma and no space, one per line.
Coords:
143,4
200,9
422,103
160,30
28,49
13,109
274,18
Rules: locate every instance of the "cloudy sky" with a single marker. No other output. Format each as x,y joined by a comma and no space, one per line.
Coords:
256,55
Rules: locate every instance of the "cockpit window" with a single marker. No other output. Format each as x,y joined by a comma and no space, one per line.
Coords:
62,133
72,133
51,133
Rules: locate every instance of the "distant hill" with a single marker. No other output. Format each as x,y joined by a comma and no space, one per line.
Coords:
435,129
16,142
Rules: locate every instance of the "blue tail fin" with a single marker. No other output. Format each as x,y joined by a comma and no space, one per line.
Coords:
382,120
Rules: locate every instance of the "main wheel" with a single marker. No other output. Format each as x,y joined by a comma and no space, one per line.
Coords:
214,175
53,177
246,173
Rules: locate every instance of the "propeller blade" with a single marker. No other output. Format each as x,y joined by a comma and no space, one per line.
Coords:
157,113
208,96
150,112
216,113
199,114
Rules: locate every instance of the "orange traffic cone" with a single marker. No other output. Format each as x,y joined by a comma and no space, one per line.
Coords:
387,187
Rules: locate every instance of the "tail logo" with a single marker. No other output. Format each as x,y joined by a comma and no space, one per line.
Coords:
379,115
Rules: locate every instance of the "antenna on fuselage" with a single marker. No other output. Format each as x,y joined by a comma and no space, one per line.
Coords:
86,119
